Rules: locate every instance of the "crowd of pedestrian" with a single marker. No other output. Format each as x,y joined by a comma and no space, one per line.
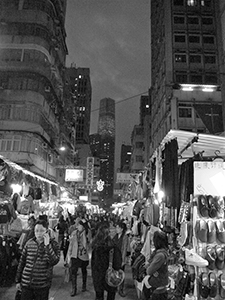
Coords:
81,240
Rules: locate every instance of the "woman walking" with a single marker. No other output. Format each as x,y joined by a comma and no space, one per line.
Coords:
101,246
121,239
78,255
34,272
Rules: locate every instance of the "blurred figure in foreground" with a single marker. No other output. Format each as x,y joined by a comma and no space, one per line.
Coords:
101,246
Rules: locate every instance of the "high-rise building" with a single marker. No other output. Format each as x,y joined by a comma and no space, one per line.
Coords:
125,158
80,87
103,145
137,144
144,108
106,122
33,111
186,59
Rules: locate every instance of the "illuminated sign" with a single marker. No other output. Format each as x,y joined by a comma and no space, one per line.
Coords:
74,175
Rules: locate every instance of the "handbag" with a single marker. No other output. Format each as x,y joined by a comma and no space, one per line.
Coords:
67,274
113,277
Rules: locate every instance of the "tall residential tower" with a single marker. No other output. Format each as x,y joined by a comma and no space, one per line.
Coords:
186,68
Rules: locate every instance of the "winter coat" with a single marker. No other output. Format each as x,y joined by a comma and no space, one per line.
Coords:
36,264
100,262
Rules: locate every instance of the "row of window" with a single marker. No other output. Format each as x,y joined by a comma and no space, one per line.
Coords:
187,112
183,77
26,55
203,3
26,113
42,5
194,38
194,58
34,83
19,143
26,29
194,20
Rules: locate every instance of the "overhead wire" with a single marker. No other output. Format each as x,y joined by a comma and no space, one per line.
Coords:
123,100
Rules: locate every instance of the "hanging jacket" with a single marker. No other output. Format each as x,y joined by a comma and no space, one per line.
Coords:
36,264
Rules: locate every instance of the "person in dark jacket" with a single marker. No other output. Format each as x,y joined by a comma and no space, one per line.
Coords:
156,280
101,246
122,241
34,272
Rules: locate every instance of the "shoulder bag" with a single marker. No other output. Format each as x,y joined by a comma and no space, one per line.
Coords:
113,278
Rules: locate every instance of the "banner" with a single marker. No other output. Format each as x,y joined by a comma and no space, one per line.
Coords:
209,178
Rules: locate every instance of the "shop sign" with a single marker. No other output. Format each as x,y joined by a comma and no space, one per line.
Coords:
118,192
74,175
90,172
209,178
125,177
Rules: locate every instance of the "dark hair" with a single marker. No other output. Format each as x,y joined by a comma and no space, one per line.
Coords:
42,222
32,218
160,240
122,225
101,236
85,225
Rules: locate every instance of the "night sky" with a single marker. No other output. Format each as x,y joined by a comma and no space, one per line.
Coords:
112,38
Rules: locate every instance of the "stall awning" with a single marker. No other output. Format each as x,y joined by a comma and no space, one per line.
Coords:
191,143
18,167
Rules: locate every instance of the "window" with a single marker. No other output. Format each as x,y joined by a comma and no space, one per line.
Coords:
178,20
139,131
206,3
192,2
178,2
194,39
195,58
139,158
210,59
185,112
193,20
194,78
207,21
208,39
181,78
211,79
139,145
180,38
180,58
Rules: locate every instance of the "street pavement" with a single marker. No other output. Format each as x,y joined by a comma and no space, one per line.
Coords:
61,290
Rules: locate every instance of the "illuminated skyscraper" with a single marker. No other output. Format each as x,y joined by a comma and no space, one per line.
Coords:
103,145
106,123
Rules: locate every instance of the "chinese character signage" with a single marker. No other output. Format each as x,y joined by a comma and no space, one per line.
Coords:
209,178
90,172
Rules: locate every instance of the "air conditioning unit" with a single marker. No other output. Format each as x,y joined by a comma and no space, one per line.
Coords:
47,89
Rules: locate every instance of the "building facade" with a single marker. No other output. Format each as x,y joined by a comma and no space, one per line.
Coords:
137,144
33,109
125,158
80,87
186,76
